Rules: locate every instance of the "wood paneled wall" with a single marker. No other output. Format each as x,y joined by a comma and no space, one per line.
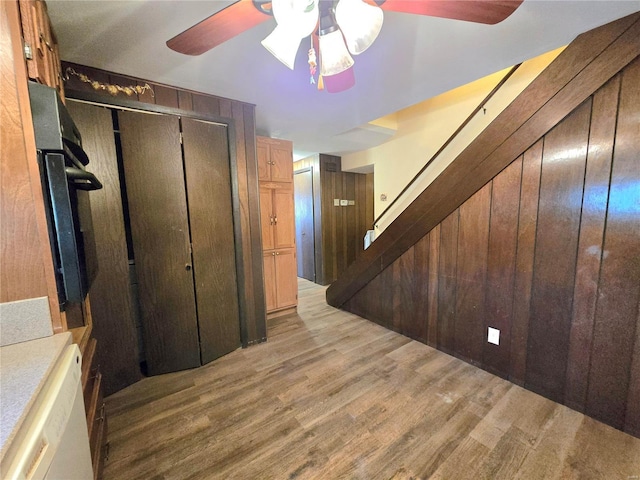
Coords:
242,119
339,230
26,265
549,253
584,66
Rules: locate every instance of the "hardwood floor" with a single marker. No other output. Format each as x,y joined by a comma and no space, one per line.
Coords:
331,395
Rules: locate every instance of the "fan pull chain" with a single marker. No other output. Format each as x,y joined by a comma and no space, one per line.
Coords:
320,80
312,62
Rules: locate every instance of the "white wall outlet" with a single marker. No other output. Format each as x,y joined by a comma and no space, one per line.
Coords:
336,202
344,203
493,336
352,202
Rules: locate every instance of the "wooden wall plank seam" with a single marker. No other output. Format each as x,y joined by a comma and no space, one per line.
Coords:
556,246
592,226
527,226
619,286
505,206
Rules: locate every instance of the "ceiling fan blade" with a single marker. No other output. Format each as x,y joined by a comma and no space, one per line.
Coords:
478,11
218,28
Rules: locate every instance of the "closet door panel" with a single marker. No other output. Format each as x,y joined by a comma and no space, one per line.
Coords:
208,176
154,178
111,303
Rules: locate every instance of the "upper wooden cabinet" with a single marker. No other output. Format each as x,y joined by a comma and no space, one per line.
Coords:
40,44
275,160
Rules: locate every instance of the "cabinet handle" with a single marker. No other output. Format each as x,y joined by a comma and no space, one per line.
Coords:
270,219
275,219
187,267
101,417
274,254
277,253
44,40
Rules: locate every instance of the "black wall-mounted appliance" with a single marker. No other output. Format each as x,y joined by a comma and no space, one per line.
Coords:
65,184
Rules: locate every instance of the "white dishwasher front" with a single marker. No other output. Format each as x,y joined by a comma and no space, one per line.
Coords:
56,443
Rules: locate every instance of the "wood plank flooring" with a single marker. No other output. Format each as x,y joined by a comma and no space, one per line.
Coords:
331,395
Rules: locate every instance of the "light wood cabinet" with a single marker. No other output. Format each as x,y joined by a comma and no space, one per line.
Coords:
29,265
275,159
276,212
281,285
40,44
277,220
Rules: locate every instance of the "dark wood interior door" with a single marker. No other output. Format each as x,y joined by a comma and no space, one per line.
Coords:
208,176
305,235
111,301
154,178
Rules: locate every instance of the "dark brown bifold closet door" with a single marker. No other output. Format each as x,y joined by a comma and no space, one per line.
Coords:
206,161
152,159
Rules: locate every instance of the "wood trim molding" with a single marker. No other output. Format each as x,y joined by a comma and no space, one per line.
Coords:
584,66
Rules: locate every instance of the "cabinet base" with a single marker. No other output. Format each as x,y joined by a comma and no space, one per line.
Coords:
281,313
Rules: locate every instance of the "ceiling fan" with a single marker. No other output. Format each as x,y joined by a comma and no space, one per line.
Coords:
339,28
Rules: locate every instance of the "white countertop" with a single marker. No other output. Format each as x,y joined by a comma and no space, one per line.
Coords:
24,369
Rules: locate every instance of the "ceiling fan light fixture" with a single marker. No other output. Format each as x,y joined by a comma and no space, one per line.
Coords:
334,56
295,19
283,45
360,23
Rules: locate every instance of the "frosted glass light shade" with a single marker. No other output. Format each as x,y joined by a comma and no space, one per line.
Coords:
282,45
295,20
334,56
360,23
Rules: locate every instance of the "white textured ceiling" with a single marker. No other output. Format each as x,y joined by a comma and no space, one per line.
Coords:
414,58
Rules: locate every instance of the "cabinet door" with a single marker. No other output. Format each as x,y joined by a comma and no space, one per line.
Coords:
206,161
269,259
266,218
281,163
154,179
264,165
30,14
286,279
284,218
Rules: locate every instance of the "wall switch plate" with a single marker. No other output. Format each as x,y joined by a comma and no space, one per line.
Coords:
352,202
344,203
493,336
336,202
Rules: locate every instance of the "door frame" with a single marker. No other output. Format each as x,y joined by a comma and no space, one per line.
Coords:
313,219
